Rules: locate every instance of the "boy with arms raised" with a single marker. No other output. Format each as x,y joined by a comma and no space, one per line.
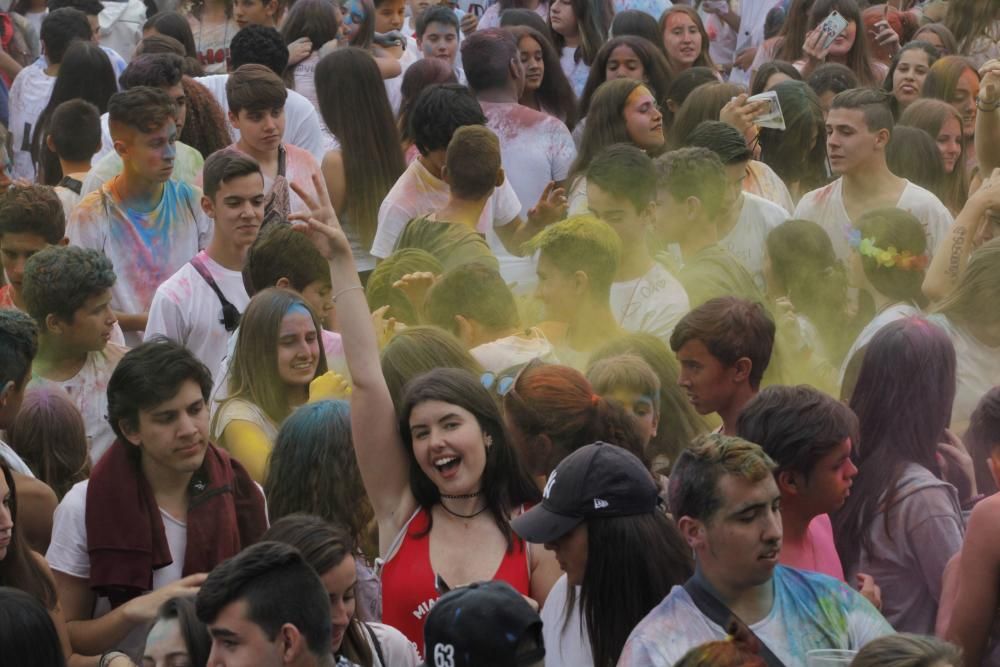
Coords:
723,347
727,505
67,290
858,128
148,224
199,306
621,191
163,507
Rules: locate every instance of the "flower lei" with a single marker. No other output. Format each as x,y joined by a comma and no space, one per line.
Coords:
889,258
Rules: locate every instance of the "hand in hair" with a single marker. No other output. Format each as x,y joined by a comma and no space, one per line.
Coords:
330,386
956,466
299,50
869,590
551,206
145,607
320,224
415,286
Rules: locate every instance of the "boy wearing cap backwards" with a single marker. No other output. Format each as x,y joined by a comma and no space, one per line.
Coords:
487,623
601,515
726,501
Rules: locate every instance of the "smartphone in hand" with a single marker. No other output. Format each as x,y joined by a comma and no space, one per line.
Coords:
831,28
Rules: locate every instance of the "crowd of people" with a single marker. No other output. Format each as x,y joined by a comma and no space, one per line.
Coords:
386,333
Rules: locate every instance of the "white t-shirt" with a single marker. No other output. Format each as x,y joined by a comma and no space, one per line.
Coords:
145,248
652,303
753,15
29,94
14,461
397,650
68,553
302,124
535,149
747,238
825,206
88,390
576,71
394,86
977,370
811,611
186,310
67,198
895,312
504,353
418,192
567,643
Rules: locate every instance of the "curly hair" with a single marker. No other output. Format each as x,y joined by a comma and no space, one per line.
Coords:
32,209
204,125
60,279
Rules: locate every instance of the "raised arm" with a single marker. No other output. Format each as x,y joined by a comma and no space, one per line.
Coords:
952,253
384,466
988,118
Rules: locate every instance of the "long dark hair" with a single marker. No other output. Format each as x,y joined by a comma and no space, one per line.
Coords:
797,153
704,58
930,115
420,75
679,423
357,112
86,73
896,228
19,568
621,583
555,94
815,281
913,154
593,20
313,470
903,400
173,24
970,19
319,20
204,123
859,58
887,85
769,69
793,32
324,546
654,66
194,633
27,633
605,122
639,24
506,484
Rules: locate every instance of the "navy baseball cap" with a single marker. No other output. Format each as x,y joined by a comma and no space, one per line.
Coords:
598,480
483,625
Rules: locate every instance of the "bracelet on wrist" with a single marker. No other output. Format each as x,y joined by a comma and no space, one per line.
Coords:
987,106
108,656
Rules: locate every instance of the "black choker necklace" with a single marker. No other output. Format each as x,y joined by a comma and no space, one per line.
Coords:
464,516
464,495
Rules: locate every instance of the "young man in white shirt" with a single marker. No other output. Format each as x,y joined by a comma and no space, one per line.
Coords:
187,308
537,149
727,505
745,219
162,509
859,126
260,45
31,90
621,191
148,224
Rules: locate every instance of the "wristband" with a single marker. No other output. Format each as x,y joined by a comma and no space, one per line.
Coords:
987,107
107,657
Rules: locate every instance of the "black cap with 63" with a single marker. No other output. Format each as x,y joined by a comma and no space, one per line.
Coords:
597,480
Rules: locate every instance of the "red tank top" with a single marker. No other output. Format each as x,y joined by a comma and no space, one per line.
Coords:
408,591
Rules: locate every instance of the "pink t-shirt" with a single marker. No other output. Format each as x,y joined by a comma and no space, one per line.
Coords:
818,553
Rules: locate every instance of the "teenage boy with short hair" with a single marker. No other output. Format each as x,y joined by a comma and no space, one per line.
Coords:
576,268
74,136
258,44
745,219
268,608
265,13
473,302
157,70
691,186
67,290
858,128
810,436
723,347
473,171
257,109
199,306
148,224
621,191
31,219
727,505
93,10
163,507
438,112
31,90
438,36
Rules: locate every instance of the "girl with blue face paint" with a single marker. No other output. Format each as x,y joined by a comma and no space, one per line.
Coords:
278,353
